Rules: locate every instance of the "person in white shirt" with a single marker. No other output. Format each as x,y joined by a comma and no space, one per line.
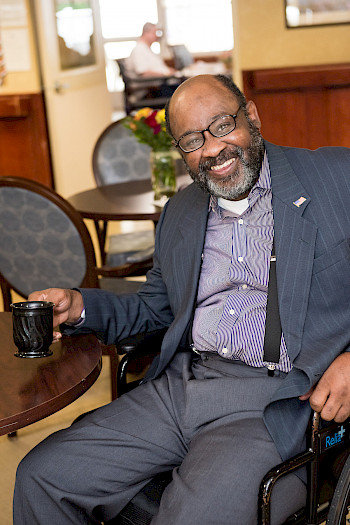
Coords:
143,61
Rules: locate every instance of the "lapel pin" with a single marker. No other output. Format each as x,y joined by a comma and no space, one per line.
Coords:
299,202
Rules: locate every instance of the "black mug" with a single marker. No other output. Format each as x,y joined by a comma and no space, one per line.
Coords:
32,328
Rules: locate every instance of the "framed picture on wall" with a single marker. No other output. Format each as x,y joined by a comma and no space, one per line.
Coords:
304,13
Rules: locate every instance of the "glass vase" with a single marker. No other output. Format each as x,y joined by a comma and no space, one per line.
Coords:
163,173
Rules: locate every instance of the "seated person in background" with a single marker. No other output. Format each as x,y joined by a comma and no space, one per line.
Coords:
212,411
143,61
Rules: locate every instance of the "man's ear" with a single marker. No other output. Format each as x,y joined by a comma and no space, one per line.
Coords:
253,114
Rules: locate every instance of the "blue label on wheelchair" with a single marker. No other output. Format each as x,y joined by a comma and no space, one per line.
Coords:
336,434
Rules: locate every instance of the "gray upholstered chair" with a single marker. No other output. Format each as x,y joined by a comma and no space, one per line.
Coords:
44,243
118,157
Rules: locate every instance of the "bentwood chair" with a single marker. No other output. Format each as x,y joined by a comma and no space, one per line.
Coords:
45,243
118,157
326,458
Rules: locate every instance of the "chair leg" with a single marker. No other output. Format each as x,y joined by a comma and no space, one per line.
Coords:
111,351
114,361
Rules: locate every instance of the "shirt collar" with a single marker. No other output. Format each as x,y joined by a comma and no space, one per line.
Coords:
262,185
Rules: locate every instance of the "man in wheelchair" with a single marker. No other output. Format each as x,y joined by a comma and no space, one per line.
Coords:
225,400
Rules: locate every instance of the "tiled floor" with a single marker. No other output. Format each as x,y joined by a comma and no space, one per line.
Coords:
13,450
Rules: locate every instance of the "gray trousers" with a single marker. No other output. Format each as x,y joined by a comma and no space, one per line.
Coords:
203,419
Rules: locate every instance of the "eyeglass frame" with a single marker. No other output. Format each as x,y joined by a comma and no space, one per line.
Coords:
177,142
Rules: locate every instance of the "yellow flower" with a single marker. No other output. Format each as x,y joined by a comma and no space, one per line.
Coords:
143,113
160,116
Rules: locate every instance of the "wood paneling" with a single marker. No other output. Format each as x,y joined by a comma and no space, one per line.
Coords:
305,106
24,143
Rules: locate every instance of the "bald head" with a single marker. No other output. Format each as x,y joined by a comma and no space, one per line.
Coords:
198,89
149,33
148,27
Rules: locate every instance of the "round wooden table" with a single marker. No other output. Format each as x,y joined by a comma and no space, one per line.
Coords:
32,389
132,201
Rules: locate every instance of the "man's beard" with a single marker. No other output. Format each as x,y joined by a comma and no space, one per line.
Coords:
250,165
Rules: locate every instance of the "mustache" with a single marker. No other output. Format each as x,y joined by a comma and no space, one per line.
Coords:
206,164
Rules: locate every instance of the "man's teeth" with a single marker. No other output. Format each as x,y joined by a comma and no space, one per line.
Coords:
221,166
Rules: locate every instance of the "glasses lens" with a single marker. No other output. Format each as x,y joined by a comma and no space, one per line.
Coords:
191,142
222,126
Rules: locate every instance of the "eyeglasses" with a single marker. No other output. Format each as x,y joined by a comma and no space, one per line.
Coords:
193,140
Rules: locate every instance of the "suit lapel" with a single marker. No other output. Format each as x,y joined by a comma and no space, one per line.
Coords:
188,242
295,239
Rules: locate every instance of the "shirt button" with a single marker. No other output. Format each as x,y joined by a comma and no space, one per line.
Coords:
244,286
224,350
240,221
231,312
240,259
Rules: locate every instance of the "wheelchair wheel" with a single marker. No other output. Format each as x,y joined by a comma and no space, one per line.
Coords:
339,512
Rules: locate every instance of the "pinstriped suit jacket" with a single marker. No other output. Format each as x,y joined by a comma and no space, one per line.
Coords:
313,275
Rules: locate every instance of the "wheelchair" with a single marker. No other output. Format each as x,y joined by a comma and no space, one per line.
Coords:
326,458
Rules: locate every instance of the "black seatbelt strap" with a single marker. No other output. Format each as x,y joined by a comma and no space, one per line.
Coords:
273,329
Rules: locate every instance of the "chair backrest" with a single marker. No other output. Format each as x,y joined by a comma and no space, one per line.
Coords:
123,69
119,157
133,94
43,241
141,91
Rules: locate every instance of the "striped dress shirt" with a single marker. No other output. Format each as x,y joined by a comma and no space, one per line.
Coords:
232,294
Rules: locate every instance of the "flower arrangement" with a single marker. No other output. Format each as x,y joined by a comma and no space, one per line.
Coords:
149,127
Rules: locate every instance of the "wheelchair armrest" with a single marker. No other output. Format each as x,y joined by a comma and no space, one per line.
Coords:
142,344
134,348
323,438
271,478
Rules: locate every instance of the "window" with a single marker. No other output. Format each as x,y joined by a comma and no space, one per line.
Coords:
203,26
124,19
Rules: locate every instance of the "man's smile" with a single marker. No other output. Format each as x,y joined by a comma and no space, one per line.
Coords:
225,168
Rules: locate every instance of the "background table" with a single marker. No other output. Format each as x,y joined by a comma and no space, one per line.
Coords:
31,389
132,201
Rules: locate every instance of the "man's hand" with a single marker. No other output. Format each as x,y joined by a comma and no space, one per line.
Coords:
68,305
331,395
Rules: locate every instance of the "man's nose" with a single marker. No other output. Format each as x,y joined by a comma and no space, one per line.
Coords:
212,145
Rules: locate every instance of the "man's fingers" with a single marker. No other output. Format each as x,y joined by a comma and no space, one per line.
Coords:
342,415
56,337
322,401
306,396
318,400
330,404
37,296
